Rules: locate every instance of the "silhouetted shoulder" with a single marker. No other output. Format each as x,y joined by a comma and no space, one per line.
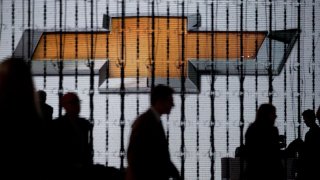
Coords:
143,119
49,108
85,122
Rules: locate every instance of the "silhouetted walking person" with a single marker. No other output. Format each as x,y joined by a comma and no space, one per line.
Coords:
70,135
148,152
311,148
46,109
21,126
262,146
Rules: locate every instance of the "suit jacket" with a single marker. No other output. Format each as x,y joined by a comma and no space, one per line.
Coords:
263,153
148,153
70,142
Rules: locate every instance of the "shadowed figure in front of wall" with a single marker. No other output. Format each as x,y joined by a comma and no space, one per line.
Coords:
263,147
71,146
148,151
22,130
310,156
46,109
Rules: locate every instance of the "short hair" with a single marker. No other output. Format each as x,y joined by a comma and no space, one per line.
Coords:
309,114
42,95
160,92
263,112
16,84
70,97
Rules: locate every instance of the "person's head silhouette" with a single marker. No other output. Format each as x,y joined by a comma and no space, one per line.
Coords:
309,117
71,103
161,99
17,89
266,114
42,96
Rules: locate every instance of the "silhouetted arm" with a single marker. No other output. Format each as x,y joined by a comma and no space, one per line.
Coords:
174,171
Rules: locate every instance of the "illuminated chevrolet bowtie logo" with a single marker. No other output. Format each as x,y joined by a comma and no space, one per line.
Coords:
134,53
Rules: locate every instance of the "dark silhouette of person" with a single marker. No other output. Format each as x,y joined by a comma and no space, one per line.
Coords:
46,109
292,156
318,115
294,148
71,146
262,146
101,172
311,148
21,126
148,151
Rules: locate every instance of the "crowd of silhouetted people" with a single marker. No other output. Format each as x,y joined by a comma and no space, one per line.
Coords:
36,146
33,144
265,154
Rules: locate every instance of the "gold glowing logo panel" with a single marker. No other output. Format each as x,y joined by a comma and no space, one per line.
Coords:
142,58
130,47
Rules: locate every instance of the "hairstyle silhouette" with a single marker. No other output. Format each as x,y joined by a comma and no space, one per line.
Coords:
42,96
21,139
17,91
309,114
266,114
160,92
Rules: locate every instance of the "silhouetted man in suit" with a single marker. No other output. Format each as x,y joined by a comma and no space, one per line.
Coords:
148,152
